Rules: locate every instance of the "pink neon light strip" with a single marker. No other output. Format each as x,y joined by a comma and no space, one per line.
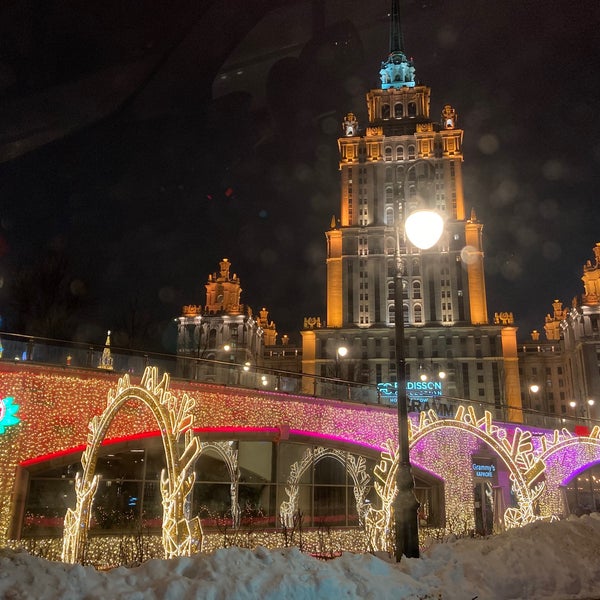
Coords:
82,447
145,434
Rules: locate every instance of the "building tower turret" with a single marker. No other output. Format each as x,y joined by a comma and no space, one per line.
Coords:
222,331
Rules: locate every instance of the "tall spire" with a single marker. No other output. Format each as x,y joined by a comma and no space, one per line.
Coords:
106,360
396,37
396,71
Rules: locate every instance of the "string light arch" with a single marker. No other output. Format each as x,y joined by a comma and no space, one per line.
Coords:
180,536
229,454
517,453
563,449
355,467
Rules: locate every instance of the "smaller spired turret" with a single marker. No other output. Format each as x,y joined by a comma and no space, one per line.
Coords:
553,322
396,70
269,328
591,279
106,360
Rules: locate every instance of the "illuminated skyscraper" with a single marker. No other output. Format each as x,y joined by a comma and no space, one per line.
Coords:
401,160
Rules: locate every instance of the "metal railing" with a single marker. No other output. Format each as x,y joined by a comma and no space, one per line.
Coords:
81,356
76,356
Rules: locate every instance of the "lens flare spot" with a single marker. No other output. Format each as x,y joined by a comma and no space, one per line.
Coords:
469,255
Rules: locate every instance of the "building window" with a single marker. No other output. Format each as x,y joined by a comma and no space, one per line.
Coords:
417,290
385,111
398,110
418,313
391,290
411,152
390,244
389,220
416,267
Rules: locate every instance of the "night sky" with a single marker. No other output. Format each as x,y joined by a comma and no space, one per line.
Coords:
141,142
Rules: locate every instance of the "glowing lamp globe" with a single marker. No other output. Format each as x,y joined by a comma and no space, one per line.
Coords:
424,228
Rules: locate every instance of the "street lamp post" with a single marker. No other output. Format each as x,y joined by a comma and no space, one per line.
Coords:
423,229
534,389
590,403
573,405
339,354
584,409
231,351
406,505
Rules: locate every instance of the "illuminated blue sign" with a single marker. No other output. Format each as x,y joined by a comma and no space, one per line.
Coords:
484,469
8,411
431,388
387,391
415,390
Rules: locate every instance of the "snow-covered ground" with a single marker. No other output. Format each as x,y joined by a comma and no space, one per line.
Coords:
545,560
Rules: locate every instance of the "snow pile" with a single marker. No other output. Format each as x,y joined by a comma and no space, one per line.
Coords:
541,560
544,560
